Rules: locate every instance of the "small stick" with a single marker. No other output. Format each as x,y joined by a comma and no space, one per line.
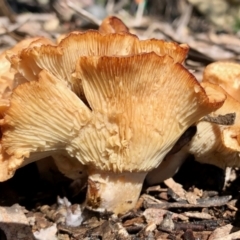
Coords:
15,26
6,10
85,14
201,203
140,11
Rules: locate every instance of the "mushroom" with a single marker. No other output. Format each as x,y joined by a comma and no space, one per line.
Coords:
173,160
7,80
216,142
60,60
113,24
137,108
226,75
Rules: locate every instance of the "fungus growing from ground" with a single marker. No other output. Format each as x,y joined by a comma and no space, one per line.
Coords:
226,75
219,143
137,108
106,104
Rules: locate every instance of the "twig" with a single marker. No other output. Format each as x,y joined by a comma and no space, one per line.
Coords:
16,26
184,20
6,10
85,14
227,119
26,16
118,6
110,6
139,13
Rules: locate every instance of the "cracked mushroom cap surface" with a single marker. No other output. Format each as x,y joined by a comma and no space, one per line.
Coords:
218,144
225,74
60,60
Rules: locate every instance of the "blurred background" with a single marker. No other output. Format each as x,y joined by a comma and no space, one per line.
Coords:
210,28
199,15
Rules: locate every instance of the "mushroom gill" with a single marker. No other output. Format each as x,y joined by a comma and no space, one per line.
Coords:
140,106
60,60
217,143
7,80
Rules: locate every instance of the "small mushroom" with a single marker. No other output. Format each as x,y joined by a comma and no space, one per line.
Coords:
226,75
36,114
138,107
113,24
216,143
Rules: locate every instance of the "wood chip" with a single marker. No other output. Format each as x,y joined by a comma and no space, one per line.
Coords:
191,197
223,233
156,216
156,189
199,215
176,187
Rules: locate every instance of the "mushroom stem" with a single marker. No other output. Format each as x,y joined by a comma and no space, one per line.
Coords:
114,192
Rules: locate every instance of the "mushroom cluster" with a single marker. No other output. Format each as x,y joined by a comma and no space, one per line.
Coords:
103,102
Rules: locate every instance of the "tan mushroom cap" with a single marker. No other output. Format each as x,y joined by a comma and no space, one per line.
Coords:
226,75
7,81
218,144
60,60
47,114
140,105
113,24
